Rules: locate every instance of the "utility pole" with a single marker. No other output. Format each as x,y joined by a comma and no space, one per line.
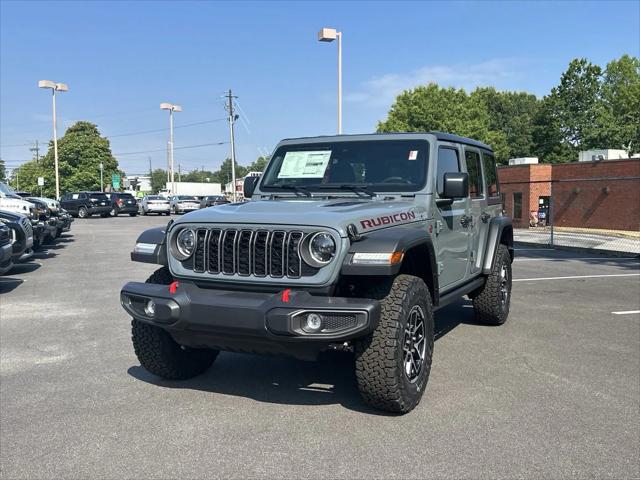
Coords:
179,173
101,181
232,119
36,149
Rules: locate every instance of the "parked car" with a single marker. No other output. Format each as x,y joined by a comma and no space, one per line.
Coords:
184,203
349,242
22,234
122,203
85,204
6,249
213,200
12,202
45,226
58,215
155,204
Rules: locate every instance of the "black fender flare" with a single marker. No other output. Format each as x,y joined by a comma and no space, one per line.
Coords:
145,253
500,231
389,240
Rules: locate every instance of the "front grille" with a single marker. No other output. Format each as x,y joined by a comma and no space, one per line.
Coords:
257,253
26,223
5,236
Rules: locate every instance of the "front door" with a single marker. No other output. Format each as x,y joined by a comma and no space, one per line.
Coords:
452,239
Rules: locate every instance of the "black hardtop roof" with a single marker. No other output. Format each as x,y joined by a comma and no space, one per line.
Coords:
445,137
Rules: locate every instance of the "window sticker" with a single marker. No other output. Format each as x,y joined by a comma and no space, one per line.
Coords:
311,164
413,155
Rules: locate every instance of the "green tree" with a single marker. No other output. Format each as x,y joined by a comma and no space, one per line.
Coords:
258,165
620,116
451,110
80,152
513,114
223,175
158,180
3,171
576,104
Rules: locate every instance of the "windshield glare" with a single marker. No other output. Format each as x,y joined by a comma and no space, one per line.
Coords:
380,165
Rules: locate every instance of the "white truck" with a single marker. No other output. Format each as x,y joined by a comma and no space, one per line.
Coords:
197,189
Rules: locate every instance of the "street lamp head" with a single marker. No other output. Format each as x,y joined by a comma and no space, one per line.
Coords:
46,84
327,35
62,87
169,106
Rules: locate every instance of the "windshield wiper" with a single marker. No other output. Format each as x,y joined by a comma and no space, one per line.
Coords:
293,188
357,189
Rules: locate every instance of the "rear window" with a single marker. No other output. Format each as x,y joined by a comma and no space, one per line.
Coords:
154,197
99,196
126,196
186,197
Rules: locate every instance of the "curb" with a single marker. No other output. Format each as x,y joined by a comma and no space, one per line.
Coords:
600,251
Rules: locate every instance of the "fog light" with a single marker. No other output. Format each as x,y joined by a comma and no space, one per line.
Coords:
313,323
150,308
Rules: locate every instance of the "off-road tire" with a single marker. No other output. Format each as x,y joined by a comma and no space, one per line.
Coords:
487,301
380,356
159,353
83,212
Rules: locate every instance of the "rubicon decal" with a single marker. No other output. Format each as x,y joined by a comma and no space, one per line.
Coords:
388,219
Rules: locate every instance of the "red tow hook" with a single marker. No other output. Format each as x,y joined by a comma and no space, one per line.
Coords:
285,295
173,287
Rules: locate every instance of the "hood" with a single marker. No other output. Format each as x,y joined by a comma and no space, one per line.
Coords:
51,203
337,213
16,205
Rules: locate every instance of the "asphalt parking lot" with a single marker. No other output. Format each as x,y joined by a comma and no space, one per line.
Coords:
554,393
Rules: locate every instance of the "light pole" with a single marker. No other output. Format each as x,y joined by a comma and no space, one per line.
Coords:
55,87
172,108
329,35
101,182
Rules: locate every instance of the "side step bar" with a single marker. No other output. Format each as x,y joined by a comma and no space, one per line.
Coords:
458,292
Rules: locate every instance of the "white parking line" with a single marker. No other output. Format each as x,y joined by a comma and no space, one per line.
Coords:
578,258
628,312
575,277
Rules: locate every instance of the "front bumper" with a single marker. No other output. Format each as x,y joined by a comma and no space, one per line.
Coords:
250,321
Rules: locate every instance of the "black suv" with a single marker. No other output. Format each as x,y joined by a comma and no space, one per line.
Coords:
212,201
122,203
85,204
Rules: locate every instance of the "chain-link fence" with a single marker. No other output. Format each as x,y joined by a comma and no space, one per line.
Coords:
601,213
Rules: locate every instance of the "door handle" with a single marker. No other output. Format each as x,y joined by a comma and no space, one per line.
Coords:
485,217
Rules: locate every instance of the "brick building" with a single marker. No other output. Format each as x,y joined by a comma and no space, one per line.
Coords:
603,195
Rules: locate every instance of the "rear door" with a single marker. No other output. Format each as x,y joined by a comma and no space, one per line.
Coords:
452,239
476,228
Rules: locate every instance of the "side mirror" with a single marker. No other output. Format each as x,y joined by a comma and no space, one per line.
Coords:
455,185
249,186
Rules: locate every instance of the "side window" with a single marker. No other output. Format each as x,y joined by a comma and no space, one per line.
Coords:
447,162
75,196
475,174
490,174
65,197
517,205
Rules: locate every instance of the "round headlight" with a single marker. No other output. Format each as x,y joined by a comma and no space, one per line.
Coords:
186,242
322,247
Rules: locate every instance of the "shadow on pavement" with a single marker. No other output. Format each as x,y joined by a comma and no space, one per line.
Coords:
282,380
27,267
7,284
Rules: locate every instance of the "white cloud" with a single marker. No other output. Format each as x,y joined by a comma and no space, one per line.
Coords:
382,90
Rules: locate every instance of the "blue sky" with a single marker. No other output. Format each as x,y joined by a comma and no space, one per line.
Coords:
122,59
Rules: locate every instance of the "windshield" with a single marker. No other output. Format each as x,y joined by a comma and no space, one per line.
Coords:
4,188
379,165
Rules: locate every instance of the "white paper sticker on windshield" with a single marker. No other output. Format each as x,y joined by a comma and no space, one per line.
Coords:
304,164
413,155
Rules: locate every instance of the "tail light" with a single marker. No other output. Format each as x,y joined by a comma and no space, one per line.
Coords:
119,202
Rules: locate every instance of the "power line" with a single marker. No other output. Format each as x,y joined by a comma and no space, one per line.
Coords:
165,129
176,148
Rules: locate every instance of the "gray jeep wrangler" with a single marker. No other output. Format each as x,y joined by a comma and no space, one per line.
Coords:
349,242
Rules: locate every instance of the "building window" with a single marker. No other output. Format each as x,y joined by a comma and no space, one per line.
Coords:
517,205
